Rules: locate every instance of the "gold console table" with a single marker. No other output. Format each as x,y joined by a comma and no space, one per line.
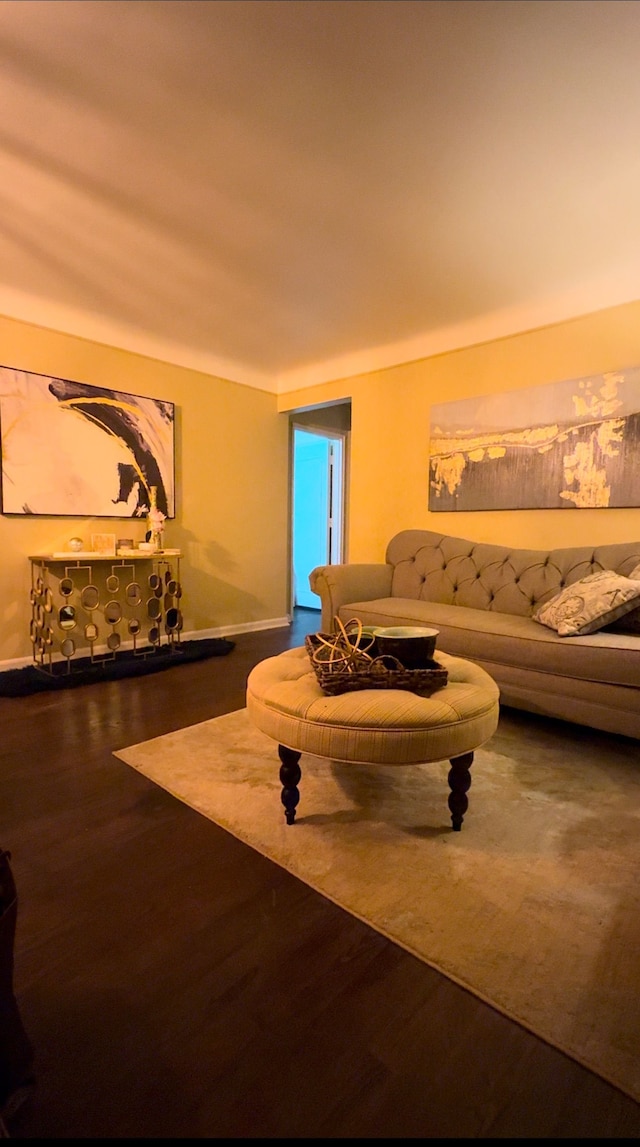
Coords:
89,604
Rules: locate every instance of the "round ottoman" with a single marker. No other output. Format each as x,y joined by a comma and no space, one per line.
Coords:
373,726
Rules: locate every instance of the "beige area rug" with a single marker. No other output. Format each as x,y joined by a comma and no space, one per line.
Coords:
533,906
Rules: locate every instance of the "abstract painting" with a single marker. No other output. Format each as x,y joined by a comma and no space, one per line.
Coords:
74,450
564,445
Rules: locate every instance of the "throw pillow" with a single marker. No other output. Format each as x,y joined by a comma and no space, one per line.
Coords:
629,622
590,603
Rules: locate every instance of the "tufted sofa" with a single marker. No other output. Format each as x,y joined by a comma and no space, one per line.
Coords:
482,599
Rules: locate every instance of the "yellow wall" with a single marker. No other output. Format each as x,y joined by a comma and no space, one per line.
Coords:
231,489
390,433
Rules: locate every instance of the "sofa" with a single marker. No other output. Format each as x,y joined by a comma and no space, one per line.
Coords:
513,612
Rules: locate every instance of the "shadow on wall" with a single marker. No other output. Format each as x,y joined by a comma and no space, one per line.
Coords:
210,601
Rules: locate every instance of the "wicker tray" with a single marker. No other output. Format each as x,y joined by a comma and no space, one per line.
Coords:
344,669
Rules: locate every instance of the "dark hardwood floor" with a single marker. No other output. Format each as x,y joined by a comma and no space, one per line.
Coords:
176,984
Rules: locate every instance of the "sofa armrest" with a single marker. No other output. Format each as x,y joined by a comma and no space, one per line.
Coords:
356,581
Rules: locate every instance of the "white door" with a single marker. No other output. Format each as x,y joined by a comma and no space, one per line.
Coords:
317,527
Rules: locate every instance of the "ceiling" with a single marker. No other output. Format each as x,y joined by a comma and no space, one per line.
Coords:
288,192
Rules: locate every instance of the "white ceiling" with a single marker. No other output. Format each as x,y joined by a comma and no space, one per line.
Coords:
287,192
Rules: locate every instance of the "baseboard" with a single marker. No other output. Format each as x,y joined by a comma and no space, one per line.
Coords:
247,627
193,635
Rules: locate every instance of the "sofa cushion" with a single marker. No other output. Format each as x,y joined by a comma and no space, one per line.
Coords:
589,604
505,639
429,566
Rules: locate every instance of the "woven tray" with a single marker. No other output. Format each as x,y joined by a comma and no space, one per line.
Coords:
344,670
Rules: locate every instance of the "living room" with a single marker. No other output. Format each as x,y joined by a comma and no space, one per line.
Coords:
232,514
79,831
232,432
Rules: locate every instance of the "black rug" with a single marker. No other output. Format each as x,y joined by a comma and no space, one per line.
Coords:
126,663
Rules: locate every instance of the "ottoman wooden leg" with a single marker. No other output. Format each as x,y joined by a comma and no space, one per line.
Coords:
290,773
459,783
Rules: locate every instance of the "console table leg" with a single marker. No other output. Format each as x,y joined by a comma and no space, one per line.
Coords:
290,774
459,783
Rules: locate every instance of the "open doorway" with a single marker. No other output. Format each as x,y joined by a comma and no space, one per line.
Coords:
319,465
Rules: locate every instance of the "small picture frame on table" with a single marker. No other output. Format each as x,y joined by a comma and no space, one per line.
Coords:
104,544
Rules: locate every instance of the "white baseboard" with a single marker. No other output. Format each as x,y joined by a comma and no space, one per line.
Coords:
248,627
194,635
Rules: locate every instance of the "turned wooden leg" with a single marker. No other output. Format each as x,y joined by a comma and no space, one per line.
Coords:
290,773
459,783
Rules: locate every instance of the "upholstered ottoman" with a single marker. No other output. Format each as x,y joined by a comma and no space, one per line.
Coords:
373,726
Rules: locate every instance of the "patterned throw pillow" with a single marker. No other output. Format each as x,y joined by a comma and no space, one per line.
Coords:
590,603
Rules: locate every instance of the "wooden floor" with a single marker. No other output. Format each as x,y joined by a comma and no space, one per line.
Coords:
177,984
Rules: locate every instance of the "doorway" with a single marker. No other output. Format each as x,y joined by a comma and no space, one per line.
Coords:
318,505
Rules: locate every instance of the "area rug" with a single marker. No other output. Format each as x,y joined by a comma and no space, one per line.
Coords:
534,906
126,663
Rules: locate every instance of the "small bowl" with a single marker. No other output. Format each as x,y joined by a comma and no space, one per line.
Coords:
412,645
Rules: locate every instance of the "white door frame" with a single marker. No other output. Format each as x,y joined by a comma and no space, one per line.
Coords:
336,496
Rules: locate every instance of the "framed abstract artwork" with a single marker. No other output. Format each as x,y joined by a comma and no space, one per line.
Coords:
564,445
74,450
